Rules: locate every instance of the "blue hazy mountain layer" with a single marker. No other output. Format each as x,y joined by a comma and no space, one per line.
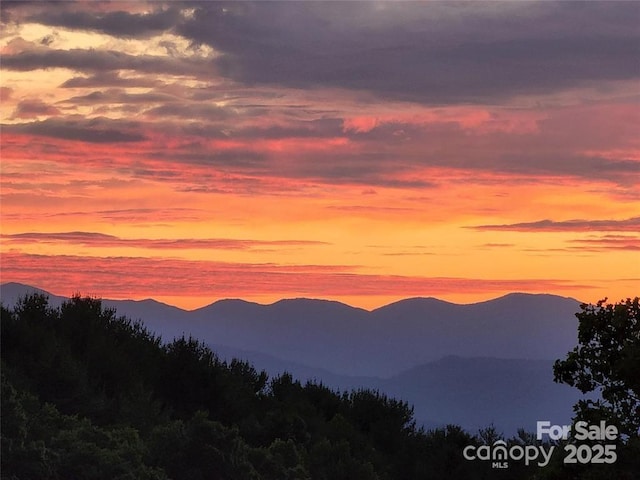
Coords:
472,365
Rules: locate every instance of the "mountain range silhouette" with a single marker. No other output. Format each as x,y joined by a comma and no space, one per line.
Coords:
473,365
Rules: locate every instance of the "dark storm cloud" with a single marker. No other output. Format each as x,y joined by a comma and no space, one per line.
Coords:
116,23
101,60
431,52
107,17
32,108
97,130
436,52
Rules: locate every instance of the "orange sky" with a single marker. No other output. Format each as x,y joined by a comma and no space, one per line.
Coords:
360,152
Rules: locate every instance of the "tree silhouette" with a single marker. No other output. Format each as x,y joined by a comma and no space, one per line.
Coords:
607,361
88,394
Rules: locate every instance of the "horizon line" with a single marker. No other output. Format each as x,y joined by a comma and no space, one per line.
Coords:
3,284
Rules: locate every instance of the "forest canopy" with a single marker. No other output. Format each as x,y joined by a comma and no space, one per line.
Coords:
93,395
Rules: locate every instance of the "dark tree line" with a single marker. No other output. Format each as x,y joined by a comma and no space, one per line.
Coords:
87,394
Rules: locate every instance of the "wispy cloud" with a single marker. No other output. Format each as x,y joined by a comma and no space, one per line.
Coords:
93,61
171,277
607,242
116,22
97,130
627,225
101,240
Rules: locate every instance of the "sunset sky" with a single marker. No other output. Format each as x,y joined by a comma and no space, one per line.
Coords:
363,152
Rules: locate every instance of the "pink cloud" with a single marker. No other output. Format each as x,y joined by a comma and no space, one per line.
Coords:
627,225
171,277
607,242
93,239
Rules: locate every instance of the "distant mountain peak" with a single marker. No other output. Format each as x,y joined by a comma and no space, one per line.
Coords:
523,296
304,302
532,295
412,302
11,285
236,301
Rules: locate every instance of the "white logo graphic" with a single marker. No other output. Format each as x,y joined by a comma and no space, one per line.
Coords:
500,453
585,453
